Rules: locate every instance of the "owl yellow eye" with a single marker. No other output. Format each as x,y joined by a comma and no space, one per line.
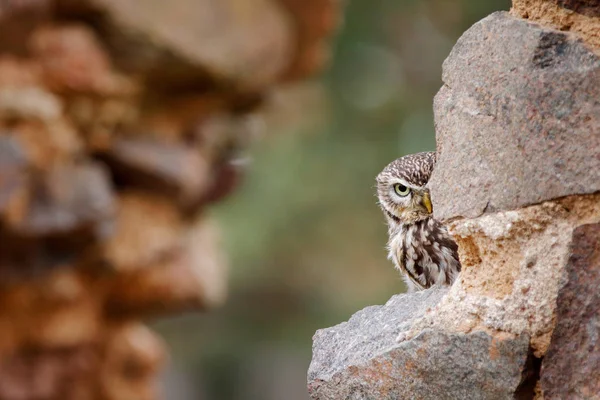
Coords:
401,190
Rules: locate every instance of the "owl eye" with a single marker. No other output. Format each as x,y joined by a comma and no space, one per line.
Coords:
401,190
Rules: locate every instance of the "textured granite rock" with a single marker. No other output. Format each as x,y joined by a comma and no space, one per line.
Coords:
361,358
571,368
513,263
576,16
516,125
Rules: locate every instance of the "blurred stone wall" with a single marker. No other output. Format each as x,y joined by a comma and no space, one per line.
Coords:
518,183
120,122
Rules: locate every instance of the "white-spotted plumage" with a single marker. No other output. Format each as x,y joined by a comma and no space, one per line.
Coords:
419,246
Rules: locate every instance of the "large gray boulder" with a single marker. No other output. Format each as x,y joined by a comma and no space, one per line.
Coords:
363,358
517,120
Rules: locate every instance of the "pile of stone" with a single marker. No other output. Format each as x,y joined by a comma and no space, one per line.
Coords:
120,121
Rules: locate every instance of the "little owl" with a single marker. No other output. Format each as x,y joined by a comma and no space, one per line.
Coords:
419,246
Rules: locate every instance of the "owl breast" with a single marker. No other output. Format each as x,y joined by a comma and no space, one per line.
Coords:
426,254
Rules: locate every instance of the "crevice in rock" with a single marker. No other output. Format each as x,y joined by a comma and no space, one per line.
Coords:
529,377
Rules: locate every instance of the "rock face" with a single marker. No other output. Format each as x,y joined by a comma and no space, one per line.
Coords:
576,338
578,16
522,125
120,122
362,359
222,40
517,182
513,264
368,333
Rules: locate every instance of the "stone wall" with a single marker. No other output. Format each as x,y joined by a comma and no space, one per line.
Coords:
518,183
120,122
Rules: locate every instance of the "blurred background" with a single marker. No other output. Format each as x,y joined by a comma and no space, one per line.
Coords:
303,234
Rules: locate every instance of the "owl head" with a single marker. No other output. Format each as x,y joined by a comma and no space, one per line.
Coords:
401,189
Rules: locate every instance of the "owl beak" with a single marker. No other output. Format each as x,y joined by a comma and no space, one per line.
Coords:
427,202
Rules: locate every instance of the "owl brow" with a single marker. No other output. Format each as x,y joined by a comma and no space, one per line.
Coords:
403,182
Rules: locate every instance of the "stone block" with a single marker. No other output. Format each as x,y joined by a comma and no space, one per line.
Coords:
571,368
516,124
362,359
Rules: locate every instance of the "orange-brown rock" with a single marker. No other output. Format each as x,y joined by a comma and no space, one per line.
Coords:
226,42
147,230
192,277
159,166
133,357
54,373
120,122
315,21
578,16
72,59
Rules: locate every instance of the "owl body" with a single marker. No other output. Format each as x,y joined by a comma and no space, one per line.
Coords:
425,253
419,246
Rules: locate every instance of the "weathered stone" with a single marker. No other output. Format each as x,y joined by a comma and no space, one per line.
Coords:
195,277
47,144
103,174
162,167
315,21
134,358
12,174
571,367
512,263
577,16
516,125
361,359
17,19
188,42
63,307
172,119
72,59
18,72
29,102
67,199
64,373
147,230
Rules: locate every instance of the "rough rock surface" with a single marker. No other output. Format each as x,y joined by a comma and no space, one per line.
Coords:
518,141
361,358
513,264
120,122
578,16
571,367
516,125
